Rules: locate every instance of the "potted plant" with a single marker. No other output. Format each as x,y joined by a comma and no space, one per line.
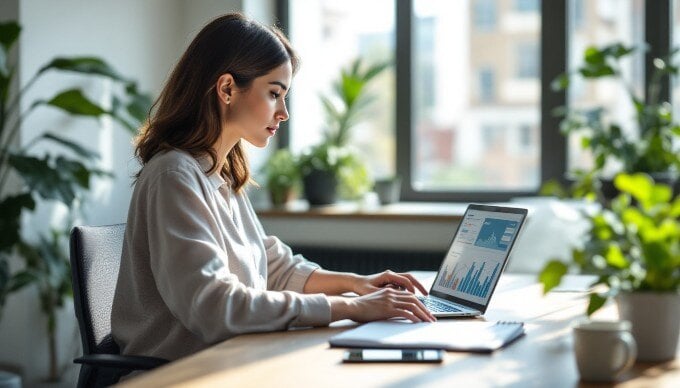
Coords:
282,177
652,150
332,167
62,174
633,246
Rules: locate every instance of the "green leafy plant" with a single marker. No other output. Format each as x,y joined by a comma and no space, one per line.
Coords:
654,148
60,175
282,176
344,108
633,243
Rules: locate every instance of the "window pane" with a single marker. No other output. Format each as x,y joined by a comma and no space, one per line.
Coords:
329,35
675,42
598,23
476,103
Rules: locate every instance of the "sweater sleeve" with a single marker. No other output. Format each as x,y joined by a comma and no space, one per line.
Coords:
285,271
192,274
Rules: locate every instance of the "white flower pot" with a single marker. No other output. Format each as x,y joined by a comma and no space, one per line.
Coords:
656,322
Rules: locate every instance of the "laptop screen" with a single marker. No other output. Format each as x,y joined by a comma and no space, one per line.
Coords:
478,254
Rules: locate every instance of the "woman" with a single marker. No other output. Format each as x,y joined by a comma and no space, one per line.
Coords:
197,267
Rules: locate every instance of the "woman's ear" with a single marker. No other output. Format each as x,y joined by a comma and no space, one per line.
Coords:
225,87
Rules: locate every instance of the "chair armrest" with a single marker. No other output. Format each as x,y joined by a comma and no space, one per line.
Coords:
121,362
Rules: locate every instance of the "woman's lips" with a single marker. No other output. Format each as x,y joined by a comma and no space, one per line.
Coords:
272,130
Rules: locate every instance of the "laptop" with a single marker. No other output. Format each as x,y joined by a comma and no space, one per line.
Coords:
475,260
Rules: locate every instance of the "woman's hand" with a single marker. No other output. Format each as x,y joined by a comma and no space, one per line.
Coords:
364,285
385,303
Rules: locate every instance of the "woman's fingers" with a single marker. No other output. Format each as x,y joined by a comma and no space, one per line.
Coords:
415,282
403,300
414,309
403,280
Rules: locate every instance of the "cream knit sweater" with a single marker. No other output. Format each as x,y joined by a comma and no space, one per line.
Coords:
197,267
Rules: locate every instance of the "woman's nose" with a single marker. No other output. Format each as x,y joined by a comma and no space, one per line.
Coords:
282,113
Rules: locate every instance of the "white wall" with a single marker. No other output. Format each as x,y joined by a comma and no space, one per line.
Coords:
140,39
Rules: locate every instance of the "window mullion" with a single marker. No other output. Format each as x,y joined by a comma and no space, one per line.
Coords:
283,21
554,49
404,121
657,35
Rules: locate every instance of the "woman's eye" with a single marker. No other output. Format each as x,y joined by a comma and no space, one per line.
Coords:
275,95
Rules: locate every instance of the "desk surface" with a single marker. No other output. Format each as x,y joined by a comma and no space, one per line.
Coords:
302,358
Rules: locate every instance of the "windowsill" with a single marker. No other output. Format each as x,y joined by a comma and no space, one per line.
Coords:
402,211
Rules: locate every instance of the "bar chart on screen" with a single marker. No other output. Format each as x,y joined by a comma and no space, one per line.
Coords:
474,279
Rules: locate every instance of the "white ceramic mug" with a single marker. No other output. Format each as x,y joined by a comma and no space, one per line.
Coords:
603,349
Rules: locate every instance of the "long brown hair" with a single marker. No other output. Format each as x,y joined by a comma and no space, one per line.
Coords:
186,114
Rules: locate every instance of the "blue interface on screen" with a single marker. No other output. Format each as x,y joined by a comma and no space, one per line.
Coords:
476,257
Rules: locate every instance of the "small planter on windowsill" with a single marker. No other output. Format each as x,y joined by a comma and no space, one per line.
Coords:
330,172
282,177
388,190
320,187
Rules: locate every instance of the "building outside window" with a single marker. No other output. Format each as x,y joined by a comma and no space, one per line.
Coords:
328,36
485,15
527,59
487,84
474,90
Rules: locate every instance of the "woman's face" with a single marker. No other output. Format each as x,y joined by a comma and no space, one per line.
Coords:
255,112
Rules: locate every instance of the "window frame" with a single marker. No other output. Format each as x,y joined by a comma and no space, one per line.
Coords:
554,46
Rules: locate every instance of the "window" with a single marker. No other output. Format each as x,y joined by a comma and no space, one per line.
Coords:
526,5
328,36
487,84
527,60
474,119
610,21
675,42
484,14
469,121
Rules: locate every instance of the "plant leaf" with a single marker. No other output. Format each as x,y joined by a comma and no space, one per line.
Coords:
73,146
638,185
84,65
9,33
4,71
596,301
74,102
552,274
72,170
11,208
139,107
41,177
615,257
21,280
560,83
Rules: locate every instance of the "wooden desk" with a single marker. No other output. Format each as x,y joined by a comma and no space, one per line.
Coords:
302,358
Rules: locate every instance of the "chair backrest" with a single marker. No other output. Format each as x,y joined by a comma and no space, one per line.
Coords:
95,261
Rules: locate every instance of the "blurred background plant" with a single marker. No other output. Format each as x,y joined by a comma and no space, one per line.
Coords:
334,158
61,174
282,177
651,147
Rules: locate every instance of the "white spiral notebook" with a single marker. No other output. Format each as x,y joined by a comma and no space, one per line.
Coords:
464,336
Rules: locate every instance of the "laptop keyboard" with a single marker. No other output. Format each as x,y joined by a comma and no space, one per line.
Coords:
438,307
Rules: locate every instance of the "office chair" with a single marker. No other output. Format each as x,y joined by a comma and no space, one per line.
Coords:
95,261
